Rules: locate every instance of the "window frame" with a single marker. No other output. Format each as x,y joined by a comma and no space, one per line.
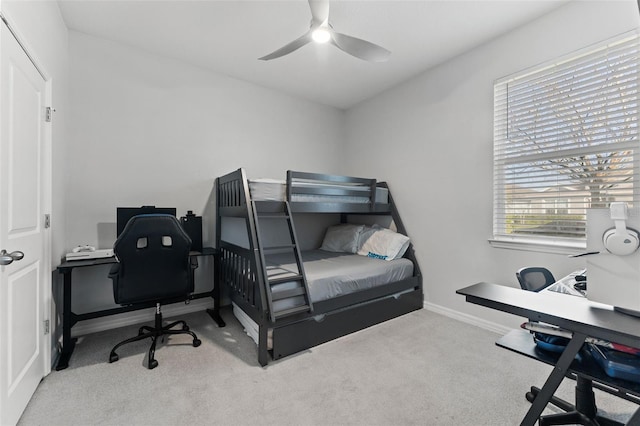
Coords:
501,238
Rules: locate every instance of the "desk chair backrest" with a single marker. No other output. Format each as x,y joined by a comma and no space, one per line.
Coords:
535,278
153,256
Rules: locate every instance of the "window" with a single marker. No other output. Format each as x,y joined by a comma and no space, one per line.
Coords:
565,140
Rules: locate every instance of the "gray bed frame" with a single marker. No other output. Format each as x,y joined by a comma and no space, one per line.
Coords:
241,275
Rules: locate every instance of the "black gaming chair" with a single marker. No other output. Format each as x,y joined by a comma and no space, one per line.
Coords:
153,267
535,278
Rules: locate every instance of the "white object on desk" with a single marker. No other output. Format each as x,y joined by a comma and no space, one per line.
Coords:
83,248
89,254
565,285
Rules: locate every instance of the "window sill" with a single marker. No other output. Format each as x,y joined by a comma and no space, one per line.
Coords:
551,247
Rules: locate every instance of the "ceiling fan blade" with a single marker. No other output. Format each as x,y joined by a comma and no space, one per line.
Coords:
285,50
360,48
319,11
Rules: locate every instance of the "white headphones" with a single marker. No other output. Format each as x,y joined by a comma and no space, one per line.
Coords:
621,241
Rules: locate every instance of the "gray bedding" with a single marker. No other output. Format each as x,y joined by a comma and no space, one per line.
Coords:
334,274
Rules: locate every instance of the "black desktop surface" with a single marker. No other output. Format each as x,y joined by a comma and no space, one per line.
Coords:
123,214
570,312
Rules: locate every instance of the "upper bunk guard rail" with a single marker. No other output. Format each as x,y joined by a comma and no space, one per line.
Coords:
298,299
350,208
234,194
349,186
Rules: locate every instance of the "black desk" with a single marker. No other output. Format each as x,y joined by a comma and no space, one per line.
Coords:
69,318
580,316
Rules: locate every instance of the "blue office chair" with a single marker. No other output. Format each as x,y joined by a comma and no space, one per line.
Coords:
153,267
535,278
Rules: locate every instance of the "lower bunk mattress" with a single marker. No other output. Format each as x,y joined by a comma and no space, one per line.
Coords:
329,275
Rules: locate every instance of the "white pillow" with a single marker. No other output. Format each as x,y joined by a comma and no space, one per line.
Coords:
366,233
382,243
342,238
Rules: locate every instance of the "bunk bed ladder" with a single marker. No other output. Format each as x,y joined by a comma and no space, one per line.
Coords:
294,297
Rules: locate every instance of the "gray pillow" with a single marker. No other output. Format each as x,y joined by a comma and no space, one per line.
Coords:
342,238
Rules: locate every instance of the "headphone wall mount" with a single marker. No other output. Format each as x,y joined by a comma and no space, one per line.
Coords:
621,241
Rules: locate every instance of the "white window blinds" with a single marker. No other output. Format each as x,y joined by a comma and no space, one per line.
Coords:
566,139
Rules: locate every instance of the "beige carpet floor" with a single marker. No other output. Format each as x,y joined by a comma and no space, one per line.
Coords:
419,369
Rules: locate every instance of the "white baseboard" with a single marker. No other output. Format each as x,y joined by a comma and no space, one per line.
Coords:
146,315
469,319
137,317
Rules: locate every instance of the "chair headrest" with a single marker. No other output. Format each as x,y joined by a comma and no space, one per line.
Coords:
157,230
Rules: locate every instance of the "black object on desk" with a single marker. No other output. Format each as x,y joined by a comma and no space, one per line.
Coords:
124,214
192,225
582,317
69,318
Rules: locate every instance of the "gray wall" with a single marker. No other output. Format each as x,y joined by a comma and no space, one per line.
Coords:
431,138
148,130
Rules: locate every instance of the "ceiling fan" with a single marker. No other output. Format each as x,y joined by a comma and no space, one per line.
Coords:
321,31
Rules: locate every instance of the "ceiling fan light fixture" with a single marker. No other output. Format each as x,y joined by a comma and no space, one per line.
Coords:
321,31
321,35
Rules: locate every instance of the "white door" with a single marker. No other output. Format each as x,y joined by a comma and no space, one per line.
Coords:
23,283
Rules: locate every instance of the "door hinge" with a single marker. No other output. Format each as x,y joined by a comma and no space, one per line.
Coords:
48,114
46,326
47,221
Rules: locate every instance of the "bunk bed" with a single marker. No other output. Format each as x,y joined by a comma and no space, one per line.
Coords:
293,300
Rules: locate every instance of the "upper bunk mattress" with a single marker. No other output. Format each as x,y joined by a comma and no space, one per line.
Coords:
331,274
276,190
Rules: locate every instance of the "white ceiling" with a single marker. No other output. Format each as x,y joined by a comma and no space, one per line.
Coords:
228,36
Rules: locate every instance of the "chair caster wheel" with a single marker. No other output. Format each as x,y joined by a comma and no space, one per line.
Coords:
196,343
113,357
185,328
153,364
140,331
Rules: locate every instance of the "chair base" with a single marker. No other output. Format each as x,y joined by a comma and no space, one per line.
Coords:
153,333
584,412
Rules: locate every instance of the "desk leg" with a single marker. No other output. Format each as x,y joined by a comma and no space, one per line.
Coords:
68,344
554,380
215,312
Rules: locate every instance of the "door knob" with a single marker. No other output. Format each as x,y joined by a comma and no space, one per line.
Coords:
7,258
